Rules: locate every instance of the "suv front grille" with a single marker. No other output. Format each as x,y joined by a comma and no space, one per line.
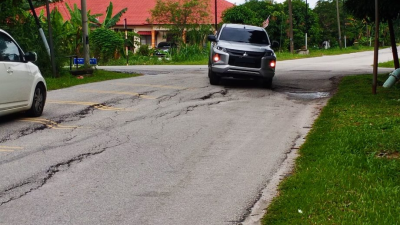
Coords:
251,59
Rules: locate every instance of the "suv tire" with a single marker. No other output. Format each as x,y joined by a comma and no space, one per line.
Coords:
214,79
266,83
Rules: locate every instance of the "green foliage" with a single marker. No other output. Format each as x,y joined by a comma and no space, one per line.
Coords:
144,50
192,52
197,35
105,43
254,12
240,14
67,80
365,9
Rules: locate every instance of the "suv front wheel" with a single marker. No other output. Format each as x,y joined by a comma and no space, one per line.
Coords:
214,79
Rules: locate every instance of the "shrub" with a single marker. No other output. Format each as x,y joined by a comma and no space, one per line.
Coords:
105,43
144,50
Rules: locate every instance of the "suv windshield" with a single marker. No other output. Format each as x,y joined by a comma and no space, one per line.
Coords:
244,35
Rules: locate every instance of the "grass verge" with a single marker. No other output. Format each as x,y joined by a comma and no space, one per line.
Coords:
348,169
321,52
67,80
389,64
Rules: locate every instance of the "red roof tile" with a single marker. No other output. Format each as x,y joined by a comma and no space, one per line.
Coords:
137,13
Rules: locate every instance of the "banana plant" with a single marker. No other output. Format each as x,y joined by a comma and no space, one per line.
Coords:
110,20
76,24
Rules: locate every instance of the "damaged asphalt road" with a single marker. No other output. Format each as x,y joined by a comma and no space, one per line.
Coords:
163,148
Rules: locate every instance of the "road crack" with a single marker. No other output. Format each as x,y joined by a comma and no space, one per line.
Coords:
36,182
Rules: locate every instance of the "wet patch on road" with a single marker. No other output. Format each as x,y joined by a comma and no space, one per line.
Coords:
307,95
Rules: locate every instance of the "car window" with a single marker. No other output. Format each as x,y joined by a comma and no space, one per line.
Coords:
244,35
8,49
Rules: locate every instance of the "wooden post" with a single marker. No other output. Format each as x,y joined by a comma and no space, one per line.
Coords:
291,27
376,50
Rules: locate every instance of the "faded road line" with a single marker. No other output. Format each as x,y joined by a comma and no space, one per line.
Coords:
9,148
151,85
95,105
49,123
119,93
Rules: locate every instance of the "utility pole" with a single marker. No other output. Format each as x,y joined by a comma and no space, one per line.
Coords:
291,27
46,45
344,25
306,23
216,24
126,42
85,36
374,81
53,60
338,22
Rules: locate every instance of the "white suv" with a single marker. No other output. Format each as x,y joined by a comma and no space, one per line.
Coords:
22,86
242,51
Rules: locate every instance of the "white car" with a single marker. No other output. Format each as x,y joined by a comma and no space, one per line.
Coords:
22,86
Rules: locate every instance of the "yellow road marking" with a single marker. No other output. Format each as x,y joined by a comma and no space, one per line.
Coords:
119,93
95,105
49,123
9,148
150,85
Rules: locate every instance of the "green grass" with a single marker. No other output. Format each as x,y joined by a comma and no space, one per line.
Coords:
348,171
321,52
67,80
389,64
154,60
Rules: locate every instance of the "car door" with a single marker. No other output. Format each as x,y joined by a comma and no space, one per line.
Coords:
15,77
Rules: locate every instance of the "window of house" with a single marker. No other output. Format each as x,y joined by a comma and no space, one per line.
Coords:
145,39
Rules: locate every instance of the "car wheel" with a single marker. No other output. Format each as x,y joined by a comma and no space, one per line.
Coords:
39,99
267,83
214,79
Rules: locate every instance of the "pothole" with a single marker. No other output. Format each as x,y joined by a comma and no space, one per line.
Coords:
308,95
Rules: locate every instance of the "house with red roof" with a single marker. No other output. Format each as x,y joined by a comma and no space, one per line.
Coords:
136,16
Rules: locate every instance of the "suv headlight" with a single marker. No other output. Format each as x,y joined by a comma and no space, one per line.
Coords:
221,48
269,53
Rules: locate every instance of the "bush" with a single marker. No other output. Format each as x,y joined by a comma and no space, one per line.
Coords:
105,43
144,50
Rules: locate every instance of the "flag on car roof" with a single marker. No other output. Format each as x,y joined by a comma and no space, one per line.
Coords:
266,22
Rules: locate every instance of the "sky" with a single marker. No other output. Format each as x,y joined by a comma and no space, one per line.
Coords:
310,2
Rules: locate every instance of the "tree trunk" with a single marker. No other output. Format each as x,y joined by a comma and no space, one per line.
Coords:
393,42
291,27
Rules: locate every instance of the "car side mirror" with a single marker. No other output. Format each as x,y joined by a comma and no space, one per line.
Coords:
212,38
31,57
275,44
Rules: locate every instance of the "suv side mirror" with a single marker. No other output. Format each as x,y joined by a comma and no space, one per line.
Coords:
31,56
212,38
275,44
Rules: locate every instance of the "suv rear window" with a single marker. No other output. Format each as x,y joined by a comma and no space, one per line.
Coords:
244,35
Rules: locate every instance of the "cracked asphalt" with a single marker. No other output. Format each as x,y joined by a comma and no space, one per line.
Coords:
162,148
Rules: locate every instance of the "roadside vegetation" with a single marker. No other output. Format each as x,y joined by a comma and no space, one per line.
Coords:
349,167
66,80
389,64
